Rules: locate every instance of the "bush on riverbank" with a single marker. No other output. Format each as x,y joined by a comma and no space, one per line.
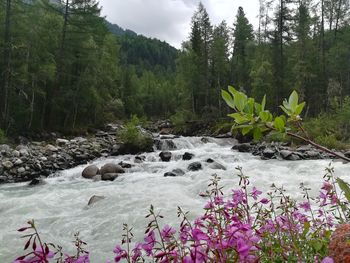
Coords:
134,139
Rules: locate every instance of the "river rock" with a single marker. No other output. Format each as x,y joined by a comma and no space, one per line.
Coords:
7,164
62,142
165,131
165,156
243,147
293,157
187,156
268,153
304,148
210,160
313,154
16,153
109,176
217,166
139,158
90,171
21,170
111,168
195,166
285,153
174,173
18,162
347,154
204,140
5,149
36,181
95,198
125,165
50,148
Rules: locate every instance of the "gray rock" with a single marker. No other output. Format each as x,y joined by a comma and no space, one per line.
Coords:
187,156
204,140
95,198
50,148
243,147
111,168
18,162
293,157
36,181
139,159
312,154
217,166
347,154
109,176
268,153
3,179
210,160
5,149
174,173
125,165
285,154
165,156
90,171
62,142
7,164
195,166
304,148
16,153
21,170
24,152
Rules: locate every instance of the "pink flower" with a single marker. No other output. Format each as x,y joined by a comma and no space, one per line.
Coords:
167,232
255,193
306,206
39,256
327,186
242,248
136,252
327,260
198,235
120,253
150,241
264,201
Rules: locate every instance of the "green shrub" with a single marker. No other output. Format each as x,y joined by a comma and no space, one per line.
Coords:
2,136
134,140
181,120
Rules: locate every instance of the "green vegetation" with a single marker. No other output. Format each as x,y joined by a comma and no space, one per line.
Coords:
133,138
2,136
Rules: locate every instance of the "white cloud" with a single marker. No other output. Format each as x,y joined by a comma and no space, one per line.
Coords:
170,20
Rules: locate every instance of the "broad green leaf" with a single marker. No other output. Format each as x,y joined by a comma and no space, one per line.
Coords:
246,130
286,111
240,100
258,108
257,133
263,103
279,124
249,108
300,108
239,118
264,116
293,101
344,187
228,98
232,90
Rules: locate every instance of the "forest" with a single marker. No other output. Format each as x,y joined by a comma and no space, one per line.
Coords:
61,61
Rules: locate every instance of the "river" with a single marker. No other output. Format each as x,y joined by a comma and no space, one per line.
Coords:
60,209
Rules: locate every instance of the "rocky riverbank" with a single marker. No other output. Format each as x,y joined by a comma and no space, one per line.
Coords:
29,161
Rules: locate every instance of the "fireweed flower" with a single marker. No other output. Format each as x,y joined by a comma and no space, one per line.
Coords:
136,252
198,235
255,193
306,206
150,241
167,232
38,257
120,253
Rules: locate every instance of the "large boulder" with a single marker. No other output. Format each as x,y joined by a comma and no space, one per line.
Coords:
111,168
268,153
243,147
217,166
7,164
109,176
187,156
195,166
90,171
61,142
165,156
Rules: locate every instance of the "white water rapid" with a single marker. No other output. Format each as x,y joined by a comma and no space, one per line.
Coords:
60,206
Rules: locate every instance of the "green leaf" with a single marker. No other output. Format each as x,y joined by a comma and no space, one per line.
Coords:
344,187
300,108
293,101
258,108
263,103
246,130
239,118
240,100
257,134
286,111
279,124
232,90
228,99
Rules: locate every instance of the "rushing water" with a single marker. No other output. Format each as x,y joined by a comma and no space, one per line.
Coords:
60,206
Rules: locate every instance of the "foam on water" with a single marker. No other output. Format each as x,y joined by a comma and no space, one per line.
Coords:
60,206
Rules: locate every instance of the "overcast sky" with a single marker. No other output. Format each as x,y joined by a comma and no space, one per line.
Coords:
170,20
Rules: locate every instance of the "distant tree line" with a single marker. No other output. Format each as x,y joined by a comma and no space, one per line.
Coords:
63,67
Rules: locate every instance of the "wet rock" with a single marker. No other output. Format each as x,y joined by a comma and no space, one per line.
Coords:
139,158
5,149
165,144
109,176
7,165
187,156
165,131
217,166
210,160
21,170
285,153
111,168
174,173
313,154
90,171
165,156
243,147
16,153
36,181
195,166
224,135
125,165
293,157
268,153
204,140
304,148
347,154
95,198
3,179
115,150
18,162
